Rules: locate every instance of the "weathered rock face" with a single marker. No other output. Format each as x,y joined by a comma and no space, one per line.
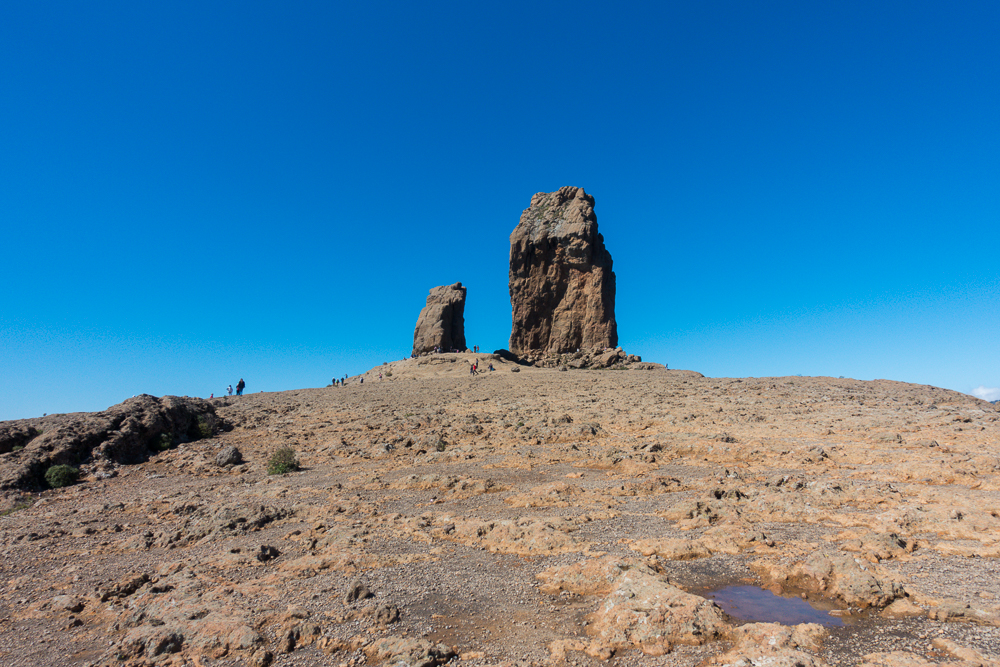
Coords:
562,288
442,321
124,433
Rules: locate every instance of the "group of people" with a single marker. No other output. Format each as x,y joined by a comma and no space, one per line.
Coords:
474,368
240,386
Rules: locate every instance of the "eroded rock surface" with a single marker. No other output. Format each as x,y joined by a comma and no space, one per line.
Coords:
442,321
124,433
536,518
562,286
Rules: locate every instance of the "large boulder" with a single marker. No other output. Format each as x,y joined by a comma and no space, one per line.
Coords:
562,288
442,321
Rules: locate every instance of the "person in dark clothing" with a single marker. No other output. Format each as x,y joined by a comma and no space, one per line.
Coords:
240,386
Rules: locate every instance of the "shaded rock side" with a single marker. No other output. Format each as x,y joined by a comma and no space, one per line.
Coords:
122,434
442,321
562,287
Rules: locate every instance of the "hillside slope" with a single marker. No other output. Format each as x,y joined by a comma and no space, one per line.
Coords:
525,518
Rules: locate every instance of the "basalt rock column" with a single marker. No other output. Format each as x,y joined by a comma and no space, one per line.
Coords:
442,321
562,288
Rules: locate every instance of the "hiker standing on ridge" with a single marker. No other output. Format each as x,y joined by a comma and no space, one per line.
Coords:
240,386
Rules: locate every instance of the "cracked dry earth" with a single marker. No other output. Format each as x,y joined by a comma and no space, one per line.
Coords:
531,518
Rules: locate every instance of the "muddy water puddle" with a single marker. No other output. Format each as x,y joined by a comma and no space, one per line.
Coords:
734,587
759,605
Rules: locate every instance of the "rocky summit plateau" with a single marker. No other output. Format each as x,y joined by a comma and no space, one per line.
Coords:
540,517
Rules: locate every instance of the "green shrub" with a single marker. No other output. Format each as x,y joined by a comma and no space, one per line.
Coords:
163,442
201,428
282,461
440,446
61,475
17,448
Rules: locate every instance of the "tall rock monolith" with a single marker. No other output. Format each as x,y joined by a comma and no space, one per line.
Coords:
562,287
442,321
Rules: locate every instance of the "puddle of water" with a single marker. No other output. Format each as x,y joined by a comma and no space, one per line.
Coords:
759,605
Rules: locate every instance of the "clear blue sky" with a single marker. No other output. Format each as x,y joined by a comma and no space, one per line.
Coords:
191,193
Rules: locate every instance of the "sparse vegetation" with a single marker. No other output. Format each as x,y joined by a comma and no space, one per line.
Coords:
17,448
203,428
61,475
440,446
282,461
20,505
163,442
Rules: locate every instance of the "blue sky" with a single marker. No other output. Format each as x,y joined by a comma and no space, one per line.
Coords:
191,193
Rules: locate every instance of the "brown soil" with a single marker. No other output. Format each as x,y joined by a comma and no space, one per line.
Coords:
446,495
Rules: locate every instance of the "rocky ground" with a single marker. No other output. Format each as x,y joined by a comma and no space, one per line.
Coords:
577,517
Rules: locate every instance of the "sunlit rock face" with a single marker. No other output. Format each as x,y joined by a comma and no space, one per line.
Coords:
442,321
562,287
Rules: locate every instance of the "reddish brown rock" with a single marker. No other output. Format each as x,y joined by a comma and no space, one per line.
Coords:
562,287
645,611
774,645
448,494
839,576
442,321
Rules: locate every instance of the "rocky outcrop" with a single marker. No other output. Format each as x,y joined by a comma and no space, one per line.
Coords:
838,576
774,645
642,609
124,433
442,321
562,287
598,357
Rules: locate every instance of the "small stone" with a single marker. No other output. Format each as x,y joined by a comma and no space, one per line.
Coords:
287,643
261,658
69,603
387,614
267,553
357,591
229,456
